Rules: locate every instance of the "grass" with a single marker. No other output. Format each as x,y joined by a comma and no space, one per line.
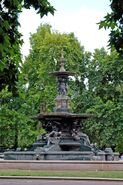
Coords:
103,174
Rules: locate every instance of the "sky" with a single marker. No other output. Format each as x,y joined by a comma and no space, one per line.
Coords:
78,16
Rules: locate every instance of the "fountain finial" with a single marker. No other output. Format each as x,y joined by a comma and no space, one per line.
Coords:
62,61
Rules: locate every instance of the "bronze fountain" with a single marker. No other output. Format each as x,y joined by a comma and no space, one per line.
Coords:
64,139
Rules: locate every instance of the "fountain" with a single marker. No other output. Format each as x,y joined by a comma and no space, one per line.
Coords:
63,139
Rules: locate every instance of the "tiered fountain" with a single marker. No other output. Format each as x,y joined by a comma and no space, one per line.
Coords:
64,139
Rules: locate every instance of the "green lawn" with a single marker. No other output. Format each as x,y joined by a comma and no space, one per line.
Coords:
103,174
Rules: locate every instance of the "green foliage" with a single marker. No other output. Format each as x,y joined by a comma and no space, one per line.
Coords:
114,22
9,12
104,99
6,124
17,128
10,37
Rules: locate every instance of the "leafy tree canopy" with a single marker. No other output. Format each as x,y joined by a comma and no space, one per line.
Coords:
114,22
10,37
105,98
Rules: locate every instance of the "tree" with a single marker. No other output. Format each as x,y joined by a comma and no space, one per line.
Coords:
104,99
114,89
10,37
16,124
114,22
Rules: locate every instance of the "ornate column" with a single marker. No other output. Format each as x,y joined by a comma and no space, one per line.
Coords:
62,101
